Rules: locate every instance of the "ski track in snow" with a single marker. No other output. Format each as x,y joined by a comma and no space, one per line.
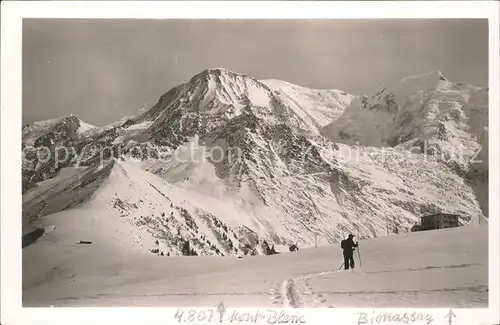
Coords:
297,293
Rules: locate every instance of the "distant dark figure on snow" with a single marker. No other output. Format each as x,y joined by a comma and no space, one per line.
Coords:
348,245
293,248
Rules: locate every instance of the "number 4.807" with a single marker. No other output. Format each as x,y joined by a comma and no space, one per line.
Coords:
202,315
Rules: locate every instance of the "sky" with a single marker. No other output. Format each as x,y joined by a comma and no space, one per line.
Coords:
101,70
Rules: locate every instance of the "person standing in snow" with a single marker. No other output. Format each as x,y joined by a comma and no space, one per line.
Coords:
348,245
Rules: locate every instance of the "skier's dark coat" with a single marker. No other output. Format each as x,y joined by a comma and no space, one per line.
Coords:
348,246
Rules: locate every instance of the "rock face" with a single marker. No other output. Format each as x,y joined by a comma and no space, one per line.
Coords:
226,164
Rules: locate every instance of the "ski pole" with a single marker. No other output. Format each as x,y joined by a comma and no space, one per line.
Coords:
359,255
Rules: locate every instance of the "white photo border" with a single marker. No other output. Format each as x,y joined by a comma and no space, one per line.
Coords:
11,108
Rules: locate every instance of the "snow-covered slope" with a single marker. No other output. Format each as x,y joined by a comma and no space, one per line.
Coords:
227,162
69,188
445,269
319,105
152,215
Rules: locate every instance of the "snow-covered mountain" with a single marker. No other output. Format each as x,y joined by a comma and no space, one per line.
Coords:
57,128
415,107
40,143
427,114
226,164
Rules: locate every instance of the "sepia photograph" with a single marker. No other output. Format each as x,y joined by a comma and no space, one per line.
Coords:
256,163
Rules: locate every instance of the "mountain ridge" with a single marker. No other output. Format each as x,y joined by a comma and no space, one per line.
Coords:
264,152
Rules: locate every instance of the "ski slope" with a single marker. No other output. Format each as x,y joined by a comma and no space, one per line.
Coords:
443,268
